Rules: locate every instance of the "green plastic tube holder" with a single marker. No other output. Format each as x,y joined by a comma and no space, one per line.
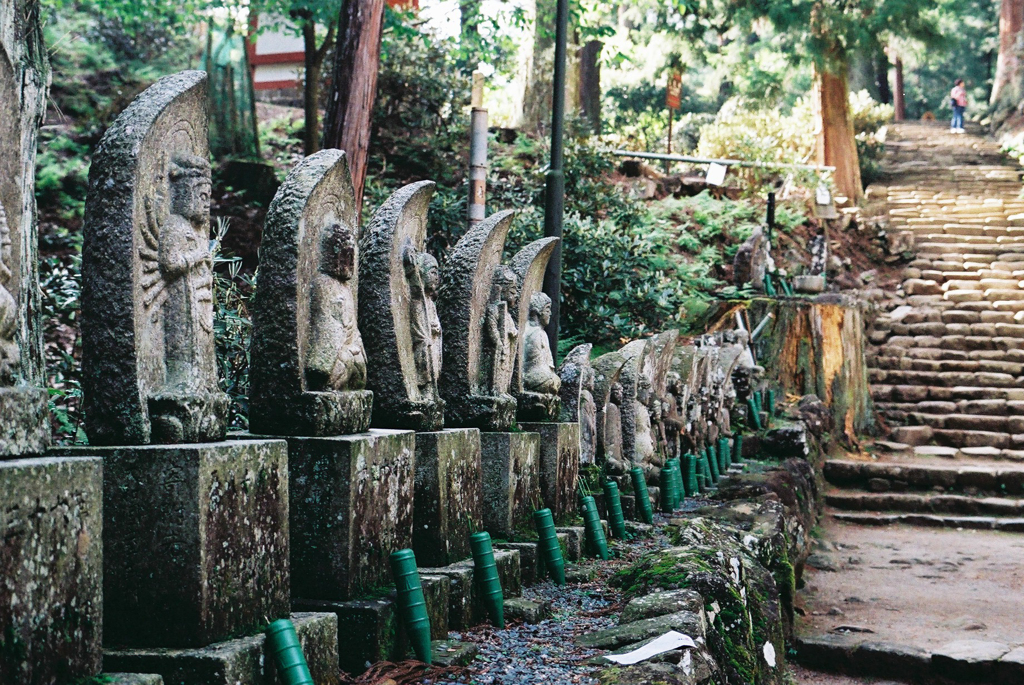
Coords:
411,603
691,485
485,574
712,462
595,531
753,414
724,454
677,477
667,485
550,550
737,449
286,653
613,503
643,498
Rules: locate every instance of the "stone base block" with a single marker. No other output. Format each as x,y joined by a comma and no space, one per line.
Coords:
24,422
132,679
574,536
465,606
370,630
559,466
314,413
486,412
529,559
352,505
448,505
51,569
241,661
537,407
195,541
511,466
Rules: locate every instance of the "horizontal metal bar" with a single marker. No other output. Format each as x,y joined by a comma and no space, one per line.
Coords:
726,162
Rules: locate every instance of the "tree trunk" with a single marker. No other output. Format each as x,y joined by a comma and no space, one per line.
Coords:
532,105
882,76
1011,22
898,98
836,145
590,83
314,60
350,113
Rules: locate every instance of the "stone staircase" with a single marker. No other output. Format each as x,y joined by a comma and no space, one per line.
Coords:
946,359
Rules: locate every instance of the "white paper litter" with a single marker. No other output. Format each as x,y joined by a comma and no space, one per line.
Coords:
666,643
716,174
769,654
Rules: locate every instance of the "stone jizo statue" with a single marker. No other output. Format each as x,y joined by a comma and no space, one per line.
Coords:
335,359
588,418
422,273
615,465
10,356
539,373
645,440
501,331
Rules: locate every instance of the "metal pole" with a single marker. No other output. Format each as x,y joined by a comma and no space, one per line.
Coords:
554,200
669,151
478,153
771,214
727,162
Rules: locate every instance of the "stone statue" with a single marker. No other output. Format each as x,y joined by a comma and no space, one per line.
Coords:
539,374
10,355
751,262
576,393
398,318
645,447
148,362
422,273
534,379
606,370
478,304
308,364
336,359
614,463
635,417
502,334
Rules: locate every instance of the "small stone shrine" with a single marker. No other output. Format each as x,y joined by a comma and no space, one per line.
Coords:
51,512
398,284
577,395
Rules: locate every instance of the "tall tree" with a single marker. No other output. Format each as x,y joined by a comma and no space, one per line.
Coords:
354,89
1006,87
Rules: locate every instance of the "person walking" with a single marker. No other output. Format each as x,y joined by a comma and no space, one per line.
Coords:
958,99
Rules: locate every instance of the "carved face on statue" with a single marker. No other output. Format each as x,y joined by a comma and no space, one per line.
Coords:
540,308
615,395
504,286
427,266
190,188
338,258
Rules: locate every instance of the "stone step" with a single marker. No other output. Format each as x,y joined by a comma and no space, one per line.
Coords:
964,343
960,505
1010,525
938,329
948,379
968,422
936,353
921,393
1007,409
1002,480
912,364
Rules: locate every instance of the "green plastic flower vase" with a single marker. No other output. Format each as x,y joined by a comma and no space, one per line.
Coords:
691,485
737,449
411,604
703,472
753,414
485,574
769,289
724,454
286,653
550,550
677,478
613,503
770,401
712,462
643,498
595,531
667,484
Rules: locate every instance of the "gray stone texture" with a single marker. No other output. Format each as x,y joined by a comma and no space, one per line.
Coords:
195,541
448,502
481,334
133,679
397,316
148,363
577,396
243,660
51,569
607,371
511,465
351,506
529,265
559,466
308,364
24,76
466,607
634,353
751,261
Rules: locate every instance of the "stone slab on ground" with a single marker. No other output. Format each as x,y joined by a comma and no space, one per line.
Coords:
132,679
511,467
559,466
448,505
195,540
51,566
351,506
465,605
242,660
24,421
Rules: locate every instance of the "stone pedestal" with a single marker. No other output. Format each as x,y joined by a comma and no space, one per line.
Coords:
51,536
351,506
511,465
559,466
24,421
448,505
195,541
243,660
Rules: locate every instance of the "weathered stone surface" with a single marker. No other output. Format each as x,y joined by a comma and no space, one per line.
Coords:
308,365
685,622
577,396
529,559
242,660
661,603
969,659
482,337
511,466
608,398
574,547
534,380
448,502
351,506
148,365
24,76
527,611
195,541
466,607
751,262
559,466
51,573
133,679
398,282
